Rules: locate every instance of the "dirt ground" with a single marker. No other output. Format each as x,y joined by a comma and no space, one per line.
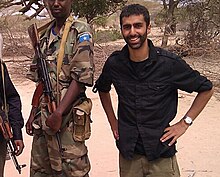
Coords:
198,149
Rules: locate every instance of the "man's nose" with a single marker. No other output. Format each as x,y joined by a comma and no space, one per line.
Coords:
132,30
56,2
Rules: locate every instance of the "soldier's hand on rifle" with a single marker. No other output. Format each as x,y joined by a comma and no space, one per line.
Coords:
19,147
54,121
29,128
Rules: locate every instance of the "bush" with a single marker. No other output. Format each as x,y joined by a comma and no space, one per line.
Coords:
100,21
102,36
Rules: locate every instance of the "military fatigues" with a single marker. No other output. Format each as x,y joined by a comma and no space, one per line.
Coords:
78,65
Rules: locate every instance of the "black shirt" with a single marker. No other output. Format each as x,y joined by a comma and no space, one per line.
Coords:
14,103
148,100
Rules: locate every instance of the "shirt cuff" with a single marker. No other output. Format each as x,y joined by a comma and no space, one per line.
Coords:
17,134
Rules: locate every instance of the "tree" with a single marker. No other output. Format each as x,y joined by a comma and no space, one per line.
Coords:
85,8
169,7
90,9
26,5
168,17
203,22
201,16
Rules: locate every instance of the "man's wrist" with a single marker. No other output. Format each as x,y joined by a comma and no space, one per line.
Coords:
187,120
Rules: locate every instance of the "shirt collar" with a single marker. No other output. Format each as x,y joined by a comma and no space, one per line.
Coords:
48,31
152,51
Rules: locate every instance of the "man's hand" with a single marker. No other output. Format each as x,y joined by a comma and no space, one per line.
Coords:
54,121
114,127
19,147
29,128
174,132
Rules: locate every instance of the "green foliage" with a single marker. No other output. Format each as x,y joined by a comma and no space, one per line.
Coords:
101,21
160,18
149,4
90,9
103,36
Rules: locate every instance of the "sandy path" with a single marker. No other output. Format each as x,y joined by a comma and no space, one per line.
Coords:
198,149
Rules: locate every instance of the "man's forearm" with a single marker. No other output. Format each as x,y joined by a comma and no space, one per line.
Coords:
107,106
199,103
70,96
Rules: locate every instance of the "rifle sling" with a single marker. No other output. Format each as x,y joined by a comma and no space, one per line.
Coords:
68,24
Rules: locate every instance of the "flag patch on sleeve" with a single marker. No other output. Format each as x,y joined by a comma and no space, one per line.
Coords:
84,37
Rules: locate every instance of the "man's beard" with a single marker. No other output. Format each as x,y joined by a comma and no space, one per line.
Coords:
142,39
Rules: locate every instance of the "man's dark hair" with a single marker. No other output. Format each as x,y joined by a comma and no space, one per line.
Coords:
135,9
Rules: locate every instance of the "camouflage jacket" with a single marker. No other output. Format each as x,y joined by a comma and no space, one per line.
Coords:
78,57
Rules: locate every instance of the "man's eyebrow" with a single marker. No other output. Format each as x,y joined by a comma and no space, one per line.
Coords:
134,24
138,23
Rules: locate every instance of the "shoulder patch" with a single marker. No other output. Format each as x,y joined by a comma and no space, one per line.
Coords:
84,37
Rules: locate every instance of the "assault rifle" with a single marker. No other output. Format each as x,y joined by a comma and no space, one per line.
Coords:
43,74
7,134
42,68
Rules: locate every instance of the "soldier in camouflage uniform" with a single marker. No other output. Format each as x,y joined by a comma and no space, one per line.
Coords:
71,119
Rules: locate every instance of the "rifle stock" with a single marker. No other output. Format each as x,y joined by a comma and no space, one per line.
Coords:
7,134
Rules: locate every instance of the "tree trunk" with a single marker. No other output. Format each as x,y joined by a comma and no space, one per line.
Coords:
1,46
165,37
170,27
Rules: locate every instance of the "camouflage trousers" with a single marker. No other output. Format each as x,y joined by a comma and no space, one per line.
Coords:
45,157
3,151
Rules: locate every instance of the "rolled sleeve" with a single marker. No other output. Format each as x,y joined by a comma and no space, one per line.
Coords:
103,84
189,80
